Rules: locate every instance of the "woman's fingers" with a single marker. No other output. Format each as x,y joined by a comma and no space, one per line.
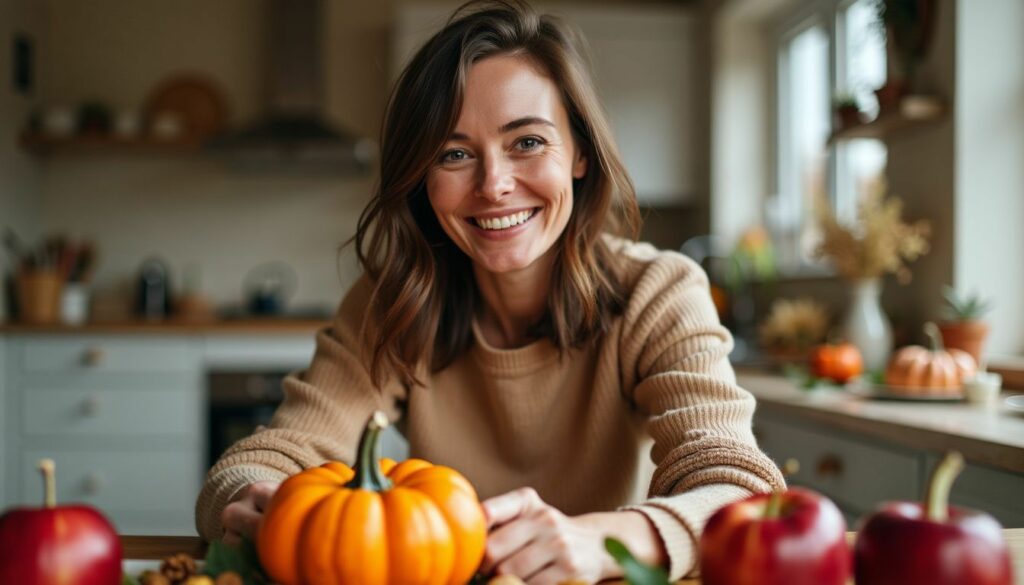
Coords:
262,492
242,518
520,520
506,507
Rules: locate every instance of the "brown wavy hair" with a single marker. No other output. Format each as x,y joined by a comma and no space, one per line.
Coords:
425,295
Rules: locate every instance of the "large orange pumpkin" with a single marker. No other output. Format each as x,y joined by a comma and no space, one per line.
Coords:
915,370
407,523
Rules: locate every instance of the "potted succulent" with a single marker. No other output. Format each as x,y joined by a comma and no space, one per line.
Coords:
963,327
846,110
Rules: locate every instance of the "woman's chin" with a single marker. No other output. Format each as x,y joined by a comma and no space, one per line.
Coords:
505,263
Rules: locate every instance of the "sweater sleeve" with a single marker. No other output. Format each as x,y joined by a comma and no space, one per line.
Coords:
323,413
676,372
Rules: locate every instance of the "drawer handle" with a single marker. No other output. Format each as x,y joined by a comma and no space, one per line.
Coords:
829,466
93,357
92,484
90,407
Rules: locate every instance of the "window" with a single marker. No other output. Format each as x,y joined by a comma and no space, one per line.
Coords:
828,48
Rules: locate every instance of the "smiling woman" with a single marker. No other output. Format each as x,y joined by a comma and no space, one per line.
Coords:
579,380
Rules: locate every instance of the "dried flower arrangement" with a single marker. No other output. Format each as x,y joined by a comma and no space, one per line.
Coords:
794,326
879,243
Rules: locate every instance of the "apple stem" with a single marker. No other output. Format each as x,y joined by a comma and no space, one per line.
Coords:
49,481
774,508
936,502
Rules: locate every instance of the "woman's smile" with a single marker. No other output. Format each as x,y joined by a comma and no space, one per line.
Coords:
503,224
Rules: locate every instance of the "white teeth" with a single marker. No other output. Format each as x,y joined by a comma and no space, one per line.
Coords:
501,223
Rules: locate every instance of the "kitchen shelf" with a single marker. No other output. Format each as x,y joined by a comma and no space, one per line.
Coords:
105,144
886,125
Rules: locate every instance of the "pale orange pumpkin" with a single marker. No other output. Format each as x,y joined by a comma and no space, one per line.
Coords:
405,523
915,370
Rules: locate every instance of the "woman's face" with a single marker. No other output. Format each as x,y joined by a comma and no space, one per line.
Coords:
502,188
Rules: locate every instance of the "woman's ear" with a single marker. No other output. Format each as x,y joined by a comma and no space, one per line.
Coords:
579,165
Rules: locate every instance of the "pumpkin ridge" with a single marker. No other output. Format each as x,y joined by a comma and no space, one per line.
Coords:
319,525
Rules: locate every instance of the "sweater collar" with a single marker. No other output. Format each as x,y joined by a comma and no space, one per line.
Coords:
520,360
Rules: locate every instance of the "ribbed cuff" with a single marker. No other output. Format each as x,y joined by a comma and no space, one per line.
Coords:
680,520
220,489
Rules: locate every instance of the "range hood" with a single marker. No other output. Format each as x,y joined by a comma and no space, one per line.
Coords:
293,133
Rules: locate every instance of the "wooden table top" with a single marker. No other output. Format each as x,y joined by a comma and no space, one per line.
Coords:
158,547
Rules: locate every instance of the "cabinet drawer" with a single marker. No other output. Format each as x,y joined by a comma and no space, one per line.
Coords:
121,484
108,354
1000,493
856,474
111,412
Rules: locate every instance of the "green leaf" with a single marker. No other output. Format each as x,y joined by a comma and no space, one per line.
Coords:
242,559
635,572
127,579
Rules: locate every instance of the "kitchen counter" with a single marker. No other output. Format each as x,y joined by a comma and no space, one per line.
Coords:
992,436
268,326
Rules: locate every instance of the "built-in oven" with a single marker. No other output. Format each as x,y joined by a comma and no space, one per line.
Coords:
238,402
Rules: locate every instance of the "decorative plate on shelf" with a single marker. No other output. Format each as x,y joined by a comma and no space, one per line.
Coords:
193,100
868,389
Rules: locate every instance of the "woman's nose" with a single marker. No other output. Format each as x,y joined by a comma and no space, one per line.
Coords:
496,178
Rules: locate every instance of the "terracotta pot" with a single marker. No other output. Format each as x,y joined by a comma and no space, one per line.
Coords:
966,335
39,297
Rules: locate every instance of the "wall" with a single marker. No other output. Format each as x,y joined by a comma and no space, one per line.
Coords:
989,158
19,173
921,171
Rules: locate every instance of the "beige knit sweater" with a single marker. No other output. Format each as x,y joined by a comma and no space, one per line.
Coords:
648,417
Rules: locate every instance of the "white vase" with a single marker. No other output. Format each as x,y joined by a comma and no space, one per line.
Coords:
866,325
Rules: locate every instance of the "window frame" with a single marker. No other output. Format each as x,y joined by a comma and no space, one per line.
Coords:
830,15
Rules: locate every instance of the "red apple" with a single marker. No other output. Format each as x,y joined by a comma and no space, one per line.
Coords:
58,545
909,543
795,537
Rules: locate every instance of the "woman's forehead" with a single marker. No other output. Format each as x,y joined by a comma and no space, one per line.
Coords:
505,88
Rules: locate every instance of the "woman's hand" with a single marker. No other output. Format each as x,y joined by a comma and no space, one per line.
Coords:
242,516
534,541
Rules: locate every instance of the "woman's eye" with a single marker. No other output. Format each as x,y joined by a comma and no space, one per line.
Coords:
453,156
529,143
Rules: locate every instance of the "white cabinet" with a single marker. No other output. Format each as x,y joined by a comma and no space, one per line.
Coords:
125,417
646,66
122,417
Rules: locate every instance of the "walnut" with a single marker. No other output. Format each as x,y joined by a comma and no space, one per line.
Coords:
178,567
229,578
153,578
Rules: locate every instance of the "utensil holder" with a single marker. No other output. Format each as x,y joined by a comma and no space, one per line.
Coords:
39,294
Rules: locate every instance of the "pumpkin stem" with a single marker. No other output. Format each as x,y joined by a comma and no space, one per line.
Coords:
934,335
936,503
48,468
774,508
367,468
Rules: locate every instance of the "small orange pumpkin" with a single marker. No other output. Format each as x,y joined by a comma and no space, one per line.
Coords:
405,523
839,362
915,370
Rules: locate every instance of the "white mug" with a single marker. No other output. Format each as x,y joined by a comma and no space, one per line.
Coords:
74,304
